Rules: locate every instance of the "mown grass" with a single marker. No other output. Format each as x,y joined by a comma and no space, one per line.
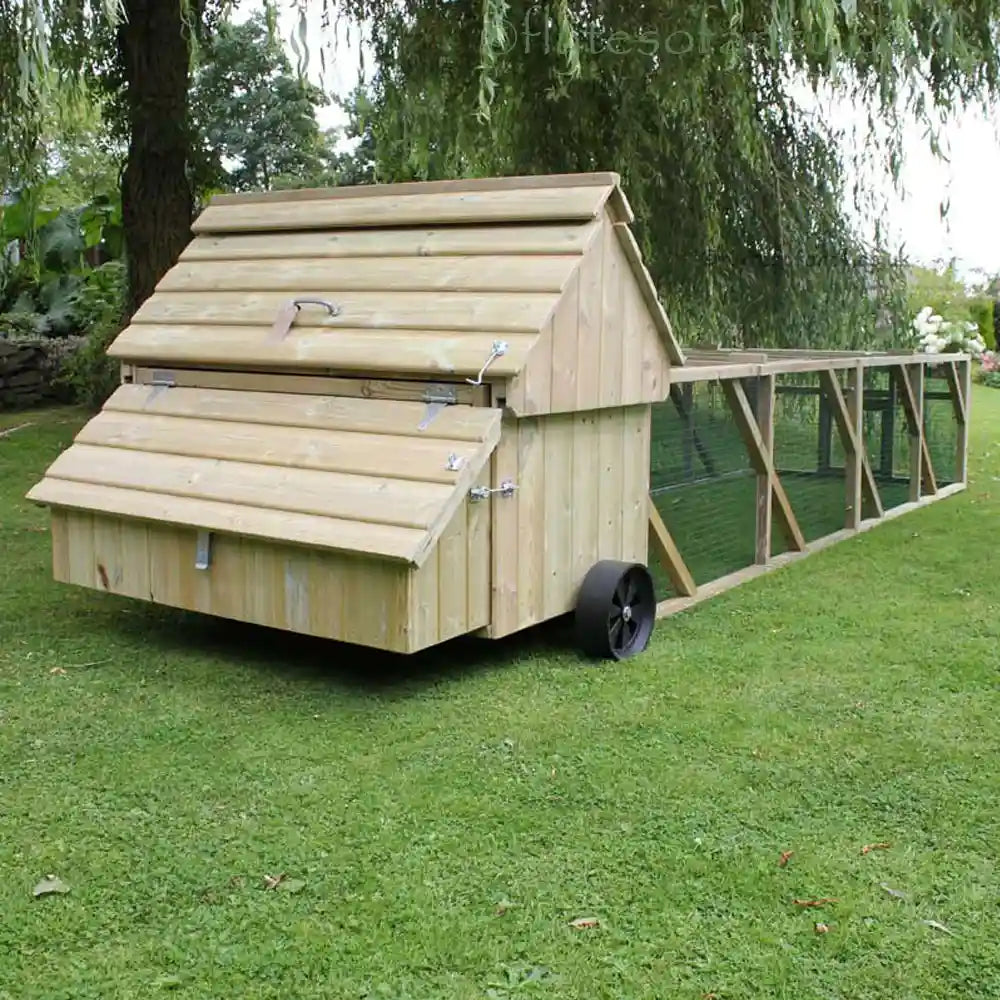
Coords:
847,700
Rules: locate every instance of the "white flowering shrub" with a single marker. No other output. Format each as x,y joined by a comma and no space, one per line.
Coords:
936,335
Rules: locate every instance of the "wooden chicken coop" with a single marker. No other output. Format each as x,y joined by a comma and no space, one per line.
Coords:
394,415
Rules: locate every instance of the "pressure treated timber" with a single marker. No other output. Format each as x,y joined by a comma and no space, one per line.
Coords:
497,273
310,385
347,474
675,605
854,451
607,179
438,355
765,479
763,462
603,347
520,240
402,419
435,311
851,438
451,207
663,548
560,509
913,407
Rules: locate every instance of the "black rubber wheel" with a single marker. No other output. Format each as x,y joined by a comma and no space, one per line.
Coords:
615,610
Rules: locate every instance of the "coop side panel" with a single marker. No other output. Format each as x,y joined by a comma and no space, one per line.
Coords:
449,595
326,594
602,347
583,480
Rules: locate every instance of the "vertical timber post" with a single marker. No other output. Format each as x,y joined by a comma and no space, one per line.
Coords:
915,374
964,380
854,458
687,431
825,443
765,481
888,428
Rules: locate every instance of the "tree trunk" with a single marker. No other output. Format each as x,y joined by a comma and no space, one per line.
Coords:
154,51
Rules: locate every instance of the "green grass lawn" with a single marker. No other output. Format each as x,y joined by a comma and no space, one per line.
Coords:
442,819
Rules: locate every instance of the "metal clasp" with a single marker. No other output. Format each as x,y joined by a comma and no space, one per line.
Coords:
507,488
500,348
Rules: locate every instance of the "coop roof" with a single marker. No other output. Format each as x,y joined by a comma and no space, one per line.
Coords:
348,474
425,278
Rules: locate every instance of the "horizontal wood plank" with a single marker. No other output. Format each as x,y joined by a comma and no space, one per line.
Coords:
385,541
402,352
333,451
377,274
451,207
470,241
364,416
500,312
370,499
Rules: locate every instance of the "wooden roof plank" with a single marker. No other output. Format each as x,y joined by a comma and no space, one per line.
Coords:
520,240
503,312
343,413
333,450
419,209
510,274
404,351
471,184
372,499
384,541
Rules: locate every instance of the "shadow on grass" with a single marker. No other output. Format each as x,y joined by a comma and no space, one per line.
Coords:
357,668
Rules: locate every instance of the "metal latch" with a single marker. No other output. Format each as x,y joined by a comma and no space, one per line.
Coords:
203,550
286,315
498,350
507,488
437,397
159,382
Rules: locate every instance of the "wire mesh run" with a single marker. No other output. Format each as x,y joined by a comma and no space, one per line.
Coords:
702,483
706,488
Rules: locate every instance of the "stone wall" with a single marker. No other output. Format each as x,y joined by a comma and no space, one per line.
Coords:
23,375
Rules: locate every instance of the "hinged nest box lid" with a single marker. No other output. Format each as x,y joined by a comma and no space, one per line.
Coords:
342,473
423,279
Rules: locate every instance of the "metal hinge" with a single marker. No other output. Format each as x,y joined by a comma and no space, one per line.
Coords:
203,550
159,382
437,397
507,488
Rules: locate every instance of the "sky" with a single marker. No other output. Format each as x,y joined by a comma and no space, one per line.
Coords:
968,181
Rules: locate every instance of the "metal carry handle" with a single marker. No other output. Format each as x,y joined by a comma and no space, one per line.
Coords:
285,318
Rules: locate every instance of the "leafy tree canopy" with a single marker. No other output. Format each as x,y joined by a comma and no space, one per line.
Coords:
741,191
254,120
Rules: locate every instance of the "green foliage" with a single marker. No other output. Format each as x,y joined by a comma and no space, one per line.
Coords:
54,286
255,121
981,312
991,379
88,374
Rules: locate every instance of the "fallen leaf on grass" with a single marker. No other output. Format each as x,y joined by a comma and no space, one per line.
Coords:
785,858
273,881
583,923
814,902
821,928
292,885
58,671
503,906
49,886
868,848
895,893
938,926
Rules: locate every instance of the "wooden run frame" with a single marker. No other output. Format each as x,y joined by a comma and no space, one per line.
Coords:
863,505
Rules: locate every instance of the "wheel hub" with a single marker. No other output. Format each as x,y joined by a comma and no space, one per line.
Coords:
627,613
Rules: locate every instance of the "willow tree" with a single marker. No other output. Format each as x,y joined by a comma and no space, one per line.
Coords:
741,191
